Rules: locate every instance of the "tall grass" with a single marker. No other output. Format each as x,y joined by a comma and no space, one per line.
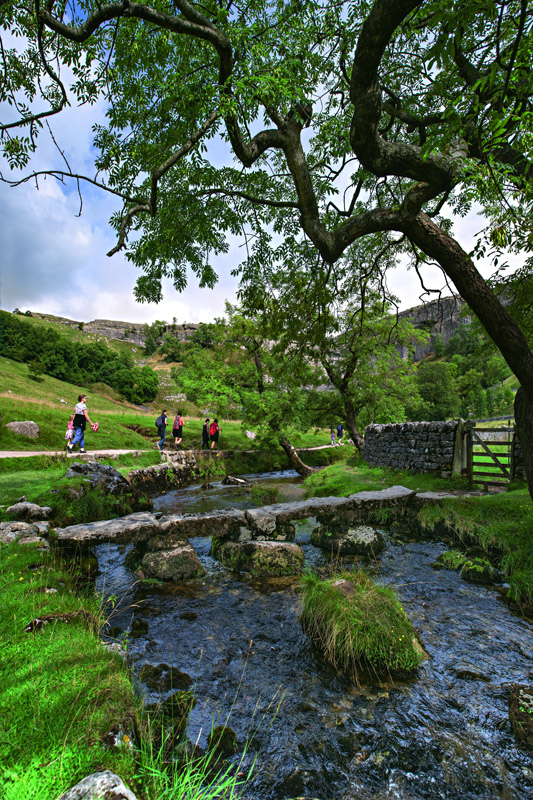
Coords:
358,624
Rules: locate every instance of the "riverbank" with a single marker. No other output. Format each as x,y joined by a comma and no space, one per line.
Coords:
499,525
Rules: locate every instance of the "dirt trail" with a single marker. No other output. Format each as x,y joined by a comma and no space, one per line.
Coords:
23,453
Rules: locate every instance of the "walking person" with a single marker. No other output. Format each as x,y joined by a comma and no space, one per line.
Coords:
81,418
340,433
161,423
333,437
69,433
214,430
177,429
205,435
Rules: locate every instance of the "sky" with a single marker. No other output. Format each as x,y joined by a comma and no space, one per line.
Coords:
53,260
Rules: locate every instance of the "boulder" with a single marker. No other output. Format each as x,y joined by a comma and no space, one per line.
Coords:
12,531
28,429
231,480
361,540
29,511
101,476
260,558
34,541
521,714
174,565
99,785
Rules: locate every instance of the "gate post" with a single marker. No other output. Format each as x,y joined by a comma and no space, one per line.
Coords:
469,453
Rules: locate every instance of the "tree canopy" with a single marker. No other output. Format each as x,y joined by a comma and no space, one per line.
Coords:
288,121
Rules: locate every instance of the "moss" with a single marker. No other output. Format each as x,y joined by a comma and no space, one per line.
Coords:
452,559
358,624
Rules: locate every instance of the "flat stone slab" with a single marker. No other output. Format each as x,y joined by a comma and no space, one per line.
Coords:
212,523
133,528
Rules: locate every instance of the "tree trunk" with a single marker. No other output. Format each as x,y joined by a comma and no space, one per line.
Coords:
523,409
496,320
351,425
295,460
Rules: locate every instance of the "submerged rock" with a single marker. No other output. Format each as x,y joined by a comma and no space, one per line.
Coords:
480,572
521,714
164,678
260,558
361,540
174,565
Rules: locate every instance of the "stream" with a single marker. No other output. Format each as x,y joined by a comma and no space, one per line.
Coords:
444,733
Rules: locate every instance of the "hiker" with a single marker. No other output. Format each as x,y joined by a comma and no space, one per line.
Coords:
81,418
340,432
213,433
333,437
177,428
161,423
69,433
205,435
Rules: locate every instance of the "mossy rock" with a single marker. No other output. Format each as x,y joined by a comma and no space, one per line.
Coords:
177,708
451,559
521,714
480,572
260,558
222,742
139,627
360,626
357,540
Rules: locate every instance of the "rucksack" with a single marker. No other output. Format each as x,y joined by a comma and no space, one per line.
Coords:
159,421
213,429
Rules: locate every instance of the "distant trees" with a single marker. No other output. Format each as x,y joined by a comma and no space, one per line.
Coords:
76,362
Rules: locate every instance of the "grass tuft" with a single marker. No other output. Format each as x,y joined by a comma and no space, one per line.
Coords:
358,624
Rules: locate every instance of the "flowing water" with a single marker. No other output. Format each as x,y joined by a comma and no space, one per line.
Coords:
444,733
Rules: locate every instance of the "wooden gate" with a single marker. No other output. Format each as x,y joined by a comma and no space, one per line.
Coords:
489,455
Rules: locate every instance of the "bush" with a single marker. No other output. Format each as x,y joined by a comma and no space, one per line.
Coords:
358,624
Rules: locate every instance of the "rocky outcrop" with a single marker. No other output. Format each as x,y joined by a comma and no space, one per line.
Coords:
28,429
359,541
442,317
174,565
260,558
15,531
29,511
178,472
99,785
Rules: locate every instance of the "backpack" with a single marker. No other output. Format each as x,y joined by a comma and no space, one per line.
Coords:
213,429
159,421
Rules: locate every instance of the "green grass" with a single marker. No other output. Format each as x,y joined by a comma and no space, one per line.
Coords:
352,475
364,627
60,690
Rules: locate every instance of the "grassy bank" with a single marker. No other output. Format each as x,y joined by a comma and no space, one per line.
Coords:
500,524
61,692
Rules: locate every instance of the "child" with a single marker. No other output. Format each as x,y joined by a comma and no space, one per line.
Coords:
69,434
333,437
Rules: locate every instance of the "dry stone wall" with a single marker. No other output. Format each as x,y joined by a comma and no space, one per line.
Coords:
417,446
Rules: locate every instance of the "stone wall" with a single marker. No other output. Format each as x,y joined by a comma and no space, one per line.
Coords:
417,446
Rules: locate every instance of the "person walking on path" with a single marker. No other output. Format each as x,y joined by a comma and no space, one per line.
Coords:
340,432
205,435
333,437
177,429
214,432
162,428
81,418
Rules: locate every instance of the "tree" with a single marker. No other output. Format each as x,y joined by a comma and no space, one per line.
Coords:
438,390
243,370
339,318
412,106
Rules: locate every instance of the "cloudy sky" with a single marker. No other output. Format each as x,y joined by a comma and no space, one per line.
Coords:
54,261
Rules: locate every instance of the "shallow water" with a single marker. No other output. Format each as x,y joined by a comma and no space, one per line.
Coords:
443,734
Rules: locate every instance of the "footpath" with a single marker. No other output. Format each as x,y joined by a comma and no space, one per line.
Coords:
27,453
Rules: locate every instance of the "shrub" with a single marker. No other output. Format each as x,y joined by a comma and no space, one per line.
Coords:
358,624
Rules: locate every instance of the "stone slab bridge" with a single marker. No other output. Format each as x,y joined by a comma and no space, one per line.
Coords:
258,541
